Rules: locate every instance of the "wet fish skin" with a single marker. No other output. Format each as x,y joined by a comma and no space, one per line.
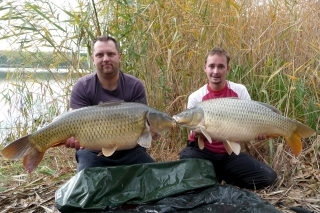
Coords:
233,120
107,127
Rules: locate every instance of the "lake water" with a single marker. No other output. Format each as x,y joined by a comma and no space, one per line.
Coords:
27,102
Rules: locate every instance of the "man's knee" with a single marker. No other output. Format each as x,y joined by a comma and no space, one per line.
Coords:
192,152
185,153
87,159
267,181
271,178
142,156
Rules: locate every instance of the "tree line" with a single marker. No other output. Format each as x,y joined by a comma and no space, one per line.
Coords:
13,58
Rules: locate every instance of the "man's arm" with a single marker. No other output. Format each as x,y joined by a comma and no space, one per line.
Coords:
244,94
78,96
139,93
192,100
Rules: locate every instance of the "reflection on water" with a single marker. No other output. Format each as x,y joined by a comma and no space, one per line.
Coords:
30,103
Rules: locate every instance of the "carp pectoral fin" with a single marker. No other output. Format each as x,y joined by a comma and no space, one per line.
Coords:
108,152
200,143
145,139
205,133
227,147
295,144
232,147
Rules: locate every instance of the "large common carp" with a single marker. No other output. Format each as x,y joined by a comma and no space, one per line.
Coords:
108,127
233,120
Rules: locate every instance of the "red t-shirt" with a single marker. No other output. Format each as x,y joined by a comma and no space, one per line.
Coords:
205,93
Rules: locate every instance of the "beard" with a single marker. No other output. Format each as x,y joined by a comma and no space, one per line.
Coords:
108,69
215,79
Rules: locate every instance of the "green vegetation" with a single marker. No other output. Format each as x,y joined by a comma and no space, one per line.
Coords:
26,59
274,48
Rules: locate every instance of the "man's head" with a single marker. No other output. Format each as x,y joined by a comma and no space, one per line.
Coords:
104,38
217,67
218,51
106,55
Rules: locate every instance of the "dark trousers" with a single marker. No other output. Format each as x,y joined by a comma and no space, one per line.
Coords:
241,170
87,158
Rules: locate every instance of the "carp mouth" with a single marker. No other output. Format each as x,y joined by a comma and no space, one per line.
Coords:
176,118
180,121
189,118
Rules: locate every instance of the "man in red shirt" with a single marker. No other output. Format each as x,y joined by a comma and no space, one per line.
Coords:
241,170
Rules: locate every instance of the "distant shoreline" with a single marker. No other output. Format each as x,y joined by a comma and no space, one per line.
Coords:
11,73
32,69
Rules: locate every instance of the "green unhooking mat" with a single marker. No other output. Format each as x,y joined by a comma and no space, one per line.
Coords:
179,186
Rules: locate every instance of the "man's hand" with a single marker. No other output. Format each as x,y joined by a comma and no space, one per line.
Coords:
73,143
155,136
199,135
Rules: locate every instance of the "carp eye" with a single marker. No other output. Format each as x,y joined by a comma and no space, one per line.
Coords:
188,114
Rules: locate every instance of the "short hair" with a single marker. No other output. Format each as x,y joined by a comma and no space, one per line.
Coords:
105,39
218,51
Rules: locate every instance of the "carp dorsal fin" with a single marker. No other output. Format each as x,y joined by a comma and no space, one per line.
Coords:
145,138
231,146
108,152
274,109
110,103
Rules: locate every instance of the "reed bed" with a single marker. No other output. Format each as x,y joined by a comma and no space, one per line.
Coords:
274,48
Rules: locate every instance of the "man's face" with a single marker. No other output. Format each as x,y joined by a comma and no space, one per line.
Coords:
106,58
216,69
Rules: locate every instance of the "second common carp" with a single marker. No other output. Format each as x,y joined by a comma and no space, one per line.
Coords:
107,127
233,120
